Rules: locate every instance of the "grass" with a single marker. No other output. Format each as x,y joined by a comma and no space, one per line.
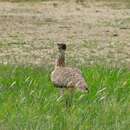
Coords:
28,100
118,23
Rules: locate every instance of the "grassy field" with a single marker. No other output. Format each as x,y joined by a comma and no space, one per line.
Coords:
96,32
28,100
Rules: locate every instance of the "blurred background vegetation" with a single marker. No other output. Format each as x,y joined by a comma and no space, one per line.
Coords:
109,2
67,0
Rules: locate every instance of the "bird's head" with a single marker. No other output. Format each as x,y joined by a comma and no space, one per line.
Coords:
61,46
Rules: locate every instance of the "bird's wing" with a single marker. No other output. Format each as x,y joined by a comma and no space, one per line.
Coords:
59,77
68,77
78,79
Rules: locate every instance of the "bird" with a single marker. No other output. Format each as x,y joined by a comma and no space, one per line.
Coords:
66,77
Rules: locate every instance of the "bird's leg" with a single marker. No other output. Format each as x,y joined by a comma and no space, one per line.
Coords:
69,98
66,97
62,92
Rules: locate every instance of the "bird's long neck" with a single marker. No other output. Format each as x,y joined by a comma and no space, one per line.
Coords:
60,62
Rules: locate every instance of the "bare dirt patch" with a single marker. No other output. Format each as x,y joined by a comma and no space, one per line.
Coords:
94,33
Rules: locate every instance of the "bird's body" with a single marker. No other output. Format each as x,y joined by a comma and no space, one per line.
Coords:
67,77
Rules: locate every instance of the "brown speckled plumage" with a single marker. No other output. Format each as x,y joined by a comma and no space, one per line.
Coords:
67,77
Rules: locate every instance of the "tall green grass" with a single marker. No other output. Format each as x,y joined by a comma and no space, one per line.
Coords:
28,100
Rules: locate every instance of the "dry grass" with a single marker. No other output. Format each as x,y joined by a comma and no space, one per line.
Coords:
30,31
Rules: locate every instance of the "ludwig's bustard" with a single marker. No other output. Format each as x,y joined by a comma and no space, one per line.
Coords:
67,77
